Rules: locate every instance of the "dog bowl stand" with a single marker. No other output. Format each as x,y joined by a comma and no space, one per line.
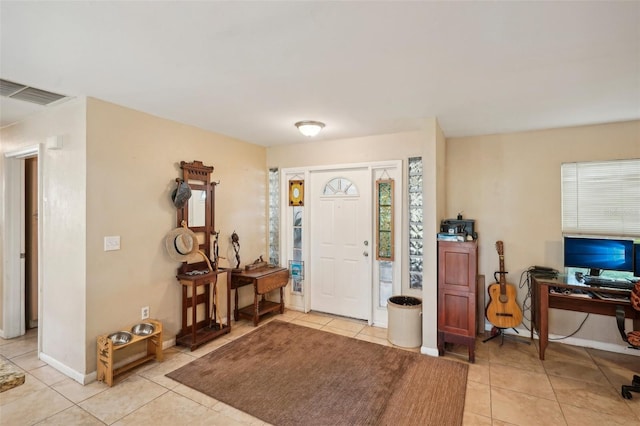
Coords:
106,351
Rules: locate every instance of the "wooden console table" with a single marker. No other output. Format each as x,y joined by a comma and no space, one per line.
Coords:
263,280
200,332
543,299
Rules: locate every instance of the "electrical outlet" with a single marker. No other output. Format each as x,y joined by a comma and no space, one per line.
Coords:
145,312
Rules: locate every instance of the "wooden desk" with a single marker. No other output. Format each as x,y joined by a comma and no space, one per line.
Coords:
263,280
199,332
543,300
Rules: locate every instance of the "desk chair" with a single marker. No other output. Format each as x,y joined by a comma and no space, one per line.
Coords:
631,337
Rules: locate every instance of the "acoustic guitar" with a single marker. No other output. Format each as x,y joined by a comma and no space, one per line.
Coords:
503,310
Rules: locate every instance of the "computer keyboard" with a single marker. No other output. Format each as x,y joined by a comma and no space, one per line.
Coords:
609,283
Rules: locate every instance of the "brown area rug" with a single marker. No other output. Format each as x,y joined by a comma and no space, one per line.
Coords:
287,374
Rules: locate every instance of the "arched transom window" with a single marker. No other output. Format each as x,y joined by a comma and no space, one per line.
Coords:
340,186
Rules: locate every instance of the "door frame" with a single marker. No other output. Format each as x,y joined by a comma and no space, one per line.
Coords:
13,303
377,314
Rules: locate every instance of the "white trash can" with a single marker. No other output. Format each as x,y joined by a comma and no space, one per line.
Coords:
404,326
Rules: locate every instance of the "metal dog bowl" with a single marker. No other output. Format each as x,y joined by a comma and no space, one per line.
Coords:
120,337
143,329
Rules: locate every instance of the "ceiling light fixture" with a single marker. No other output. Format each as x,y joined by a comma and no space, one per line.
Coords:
309,128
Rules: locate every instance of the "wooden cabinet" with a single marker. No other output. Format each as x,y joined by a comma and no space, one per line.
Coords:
457,294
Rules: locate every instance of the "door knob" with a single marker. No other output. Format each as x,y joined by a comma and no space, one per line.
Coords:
365,253
366,243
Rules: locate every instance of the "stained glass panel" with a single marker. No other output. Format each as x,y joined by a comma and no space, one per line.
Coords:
385,218
384,245
384,197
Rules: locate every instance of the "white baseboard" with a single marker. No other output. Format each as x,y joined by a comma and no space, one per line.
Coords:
610,347
429,351
84,379
65,369
574,341
380,324
168,343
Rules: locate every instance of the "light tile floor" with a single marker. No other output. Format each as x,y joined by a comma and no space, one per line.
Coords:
507,385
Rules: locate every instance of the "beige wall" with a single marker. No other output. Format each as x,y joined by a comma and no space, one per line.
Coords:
510,184
63,222
133,162
114,177
428,143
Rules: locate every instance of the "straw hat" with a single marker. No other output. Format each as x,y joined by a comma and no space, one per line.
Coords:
181,244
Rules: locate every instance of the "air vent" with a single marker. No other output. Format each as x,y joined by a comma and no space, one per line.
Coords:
28,94
8,88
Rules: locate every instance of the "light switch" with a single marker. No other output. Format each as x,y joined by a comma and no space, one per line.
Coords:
112,243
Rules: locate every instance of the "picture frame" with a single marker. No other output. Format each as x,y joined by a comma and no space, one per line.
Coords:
296,193
296,269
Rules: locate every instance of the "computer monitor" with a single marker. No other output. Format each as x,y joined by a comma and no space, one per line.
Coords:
597,254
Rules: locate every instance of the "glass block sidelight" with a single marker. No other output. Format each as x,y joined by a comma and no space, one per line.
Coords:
415,280
415,168
415,199
415,247
415,231
415,184
415,215
416,226
274,216
415,264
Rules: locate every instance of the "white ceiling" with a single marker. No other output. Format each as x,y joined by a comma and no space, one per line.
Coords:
251,69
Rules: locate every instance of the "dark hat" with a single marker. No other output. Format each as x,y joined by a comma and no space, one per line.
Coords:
181,194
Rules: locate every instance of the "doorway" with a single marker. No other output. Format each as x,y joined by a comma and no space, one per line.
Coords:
340,236
14,304
31,241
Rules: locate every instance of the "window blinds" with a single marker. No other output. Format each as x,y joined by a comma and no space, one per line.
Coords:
601,197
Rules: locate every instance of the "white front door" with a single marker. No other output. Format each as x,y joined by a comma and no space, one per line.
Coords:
341,242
